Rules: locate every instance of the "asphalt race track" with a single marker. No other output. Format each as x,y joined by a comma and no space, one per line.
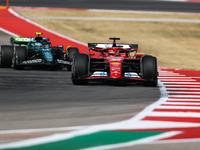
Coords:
41,99
145,5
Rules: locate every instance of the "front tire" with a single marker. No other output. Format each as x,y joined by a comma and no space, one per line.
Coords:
80,69
70,54
6,54
20,55
149,70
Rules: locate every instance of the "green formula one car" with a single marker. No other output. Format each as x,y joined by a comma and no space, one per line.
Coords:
32,52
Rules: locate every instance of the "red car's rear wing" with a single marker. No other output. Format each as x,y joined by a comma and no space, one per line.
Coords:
99,46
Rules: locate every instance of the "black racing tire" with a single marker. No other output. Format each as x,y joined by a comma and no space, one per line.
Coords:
70,54
6,54
20,54
80,68
149,70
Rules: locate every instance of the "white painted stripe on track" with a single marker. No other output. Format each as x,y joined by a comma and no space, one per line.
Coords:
185,96
182,82
141,12
170,75
184,85
168,72
118,19
174,114
182,89
182,103
181,92
183,99
177,78
168,80
164,77
178,107
42,130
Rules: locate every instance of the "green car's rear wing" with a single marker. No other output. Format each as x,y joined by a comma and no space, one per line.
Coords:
21,40
26,40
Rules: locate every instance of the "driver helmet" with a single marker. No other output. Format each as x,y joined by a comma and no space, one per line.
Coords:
111,53
38,44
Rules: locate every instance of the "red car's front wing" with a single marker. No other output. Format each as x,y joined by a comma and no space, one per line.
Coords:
114,79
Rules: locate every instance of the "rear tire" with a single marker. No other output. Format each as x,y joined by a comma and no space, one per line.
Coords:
149,70
80,68
6,54
20,55
71,52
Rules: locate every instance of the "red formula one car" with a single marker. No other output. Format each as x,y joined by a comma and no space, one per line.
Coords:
115,64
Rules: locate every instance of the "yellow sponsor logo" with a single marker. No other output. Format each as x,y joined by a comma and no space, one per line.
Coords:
115,63
38,33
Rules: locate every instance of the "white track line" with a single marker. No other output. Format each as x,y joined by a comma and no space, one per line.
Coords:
198,100
184,86
177,107
182,89
181,92
174,114
182,103
141,12
170,75
176,77
181,82
42,130
118,19
185,96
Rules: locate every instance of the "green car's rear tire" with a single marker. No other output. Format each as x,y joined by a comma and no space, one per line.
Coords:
20,54
6,54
